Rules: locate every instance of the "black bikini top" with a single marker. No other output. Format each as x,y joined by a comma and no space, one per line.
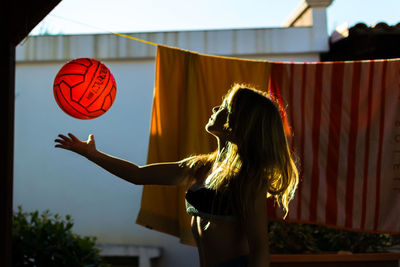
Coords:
209,203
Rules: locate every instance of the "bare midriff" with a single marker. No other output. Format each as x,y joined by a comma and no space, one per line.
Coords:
218,240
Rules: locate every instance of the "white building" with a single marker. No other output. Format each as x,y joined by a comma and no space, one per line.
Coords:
100,204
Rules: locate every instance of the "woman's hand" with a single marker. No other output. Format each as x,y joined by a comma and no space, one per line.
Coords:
72,143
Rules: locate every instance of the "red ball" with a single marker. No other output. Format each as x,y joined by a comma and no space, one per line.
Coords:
84,88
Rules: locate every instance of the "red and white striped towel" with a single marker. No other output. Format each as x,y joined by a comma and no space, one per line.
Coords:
345,117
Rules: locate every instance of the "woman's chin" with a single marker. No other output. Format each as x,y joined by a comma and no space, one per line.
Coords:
211,130
208,130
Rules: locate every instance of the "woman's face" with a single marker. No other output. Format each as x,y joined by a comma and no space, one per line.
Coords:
215,125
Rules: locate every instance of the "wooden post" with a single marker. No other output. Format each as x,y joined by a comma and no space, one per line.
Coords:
19,17
7,74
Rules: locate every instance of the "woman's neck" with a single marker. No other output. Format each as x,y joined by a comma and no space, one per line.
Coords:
221,144
221,147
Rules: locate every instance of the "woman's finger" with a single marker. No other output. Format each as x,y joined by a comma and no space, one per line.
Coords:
91,138
64,137
61,141
73,137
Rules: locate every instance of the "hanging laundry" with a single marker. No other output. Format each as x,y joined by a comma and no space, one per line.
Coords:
344,125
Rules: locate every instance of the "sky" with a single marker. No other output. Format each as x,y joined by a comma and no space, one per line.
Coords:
102,16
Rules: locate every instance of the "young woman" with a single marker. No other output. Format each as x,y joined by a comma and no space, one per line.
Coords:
228,188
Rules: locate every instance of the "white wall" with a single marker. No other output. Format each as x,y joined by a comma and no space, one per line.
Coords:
49,178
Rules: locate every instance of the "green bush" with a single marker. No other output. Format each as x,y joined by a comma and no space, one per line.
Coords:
47,240
298,238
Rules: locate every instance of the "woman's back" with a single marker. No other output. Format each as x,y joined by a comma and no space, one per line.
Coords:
218,241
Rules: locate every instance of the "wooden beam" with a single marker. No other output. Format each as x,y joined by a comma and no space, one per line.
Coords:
25,15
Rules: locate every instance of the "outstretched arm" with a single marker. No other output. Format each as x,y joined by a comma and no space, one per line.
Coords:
168,173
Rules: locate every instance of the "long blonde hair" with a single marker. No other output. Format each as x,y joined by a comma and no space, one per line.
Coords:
257,155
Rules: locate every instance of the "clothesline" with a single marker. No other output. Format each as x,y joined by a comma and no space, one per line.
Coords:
105,30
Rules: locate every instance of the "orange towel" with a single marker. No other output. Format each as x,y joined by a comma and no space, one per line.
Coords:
345,121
